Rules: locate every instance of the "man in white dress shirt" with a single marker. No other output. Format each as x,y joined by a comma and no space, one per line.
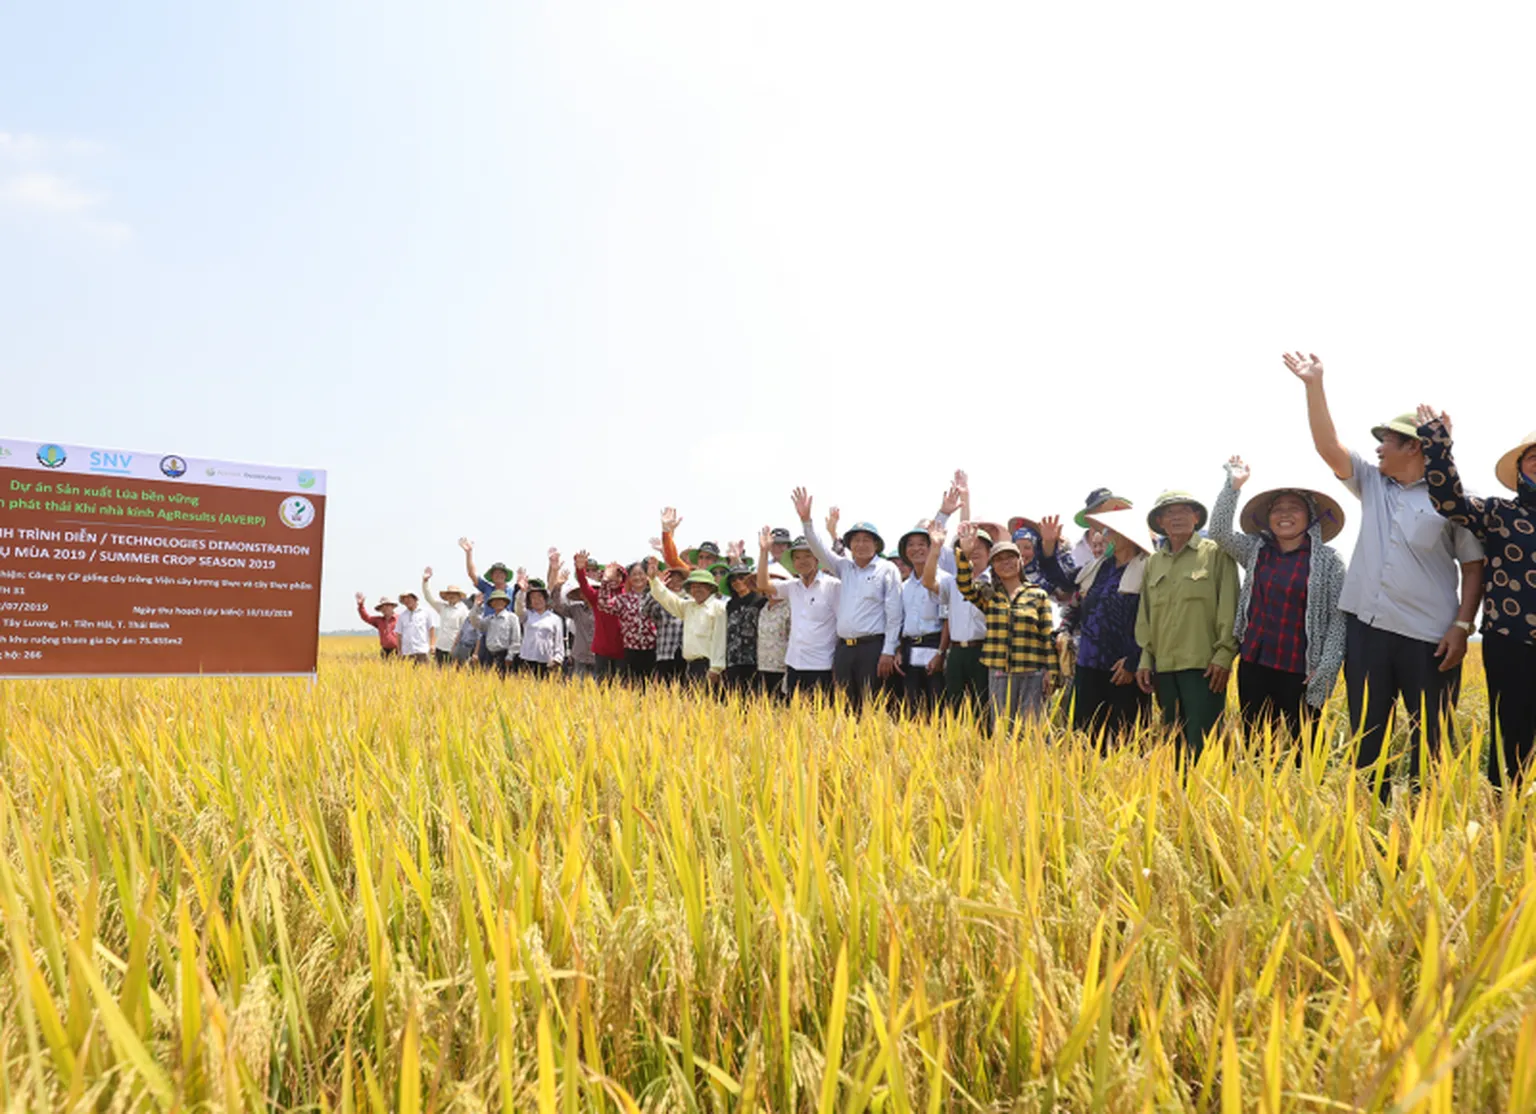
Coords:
417,628
812,597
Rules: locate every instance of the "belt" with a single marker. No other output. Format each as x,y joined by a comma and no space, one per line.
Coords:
921,641
862,639
965,645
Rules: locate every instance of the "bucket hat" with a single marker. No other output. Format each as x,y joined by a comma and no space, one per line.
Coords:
1168,498
787,558
739,570
454,590
410,593
498,566
701,576
499,594
1405,424
1100,499
1124,522
701,554
536,585
1508,467
1325,510
1002,548
385,601
864,528
781,535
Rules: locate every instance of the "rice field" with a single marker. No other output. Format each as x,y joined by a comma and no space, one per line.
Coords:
395,891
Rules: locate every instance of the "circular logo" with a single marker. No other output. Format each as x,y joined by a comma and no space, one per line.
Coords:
296,512
173,466
51,456
306,480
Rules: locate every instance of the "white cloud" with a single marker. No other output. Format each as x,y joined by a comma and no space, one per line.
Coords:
35,181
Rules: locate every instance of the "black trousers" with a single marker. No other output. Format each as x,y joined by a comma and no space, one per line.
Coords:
497,660
1380,666
857,669
742,678
808,681
639,665
1266,694
1511,668
921,691
696,672
669,670
443,658
1100,705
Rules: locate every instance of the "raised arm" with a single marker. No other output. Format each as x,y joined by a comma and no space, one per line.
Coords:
765,586
936,538
802,500
1060,576
363,613
434,601
670,521
1444,481
588,593
469,560
1240,546
964,580
668,600
1325,439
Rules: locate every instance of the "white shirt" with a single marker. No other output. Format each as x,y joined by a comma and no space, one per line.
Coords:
812,620
966,621
869,602
543,637
450,618
412,627
920,607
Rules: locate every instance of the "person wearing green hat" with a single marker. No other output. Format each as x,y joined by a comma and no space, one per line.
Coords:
704,620
869,612
501,633
922,627
1507,527
543,642
812,598
497,576
1406,622
1290,630
1185,621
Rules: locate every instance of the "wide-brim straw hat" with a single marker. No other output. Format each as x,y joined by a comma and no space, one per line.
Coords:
1125,522
1168,499
1405,424
385,601
1326,510
410,593
454,590
994,531
1508,467
1020,521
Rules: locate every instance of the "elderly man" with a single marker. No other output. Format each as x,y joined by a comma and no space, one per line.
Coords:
1407,625
384,623
451,614
497,577
869,611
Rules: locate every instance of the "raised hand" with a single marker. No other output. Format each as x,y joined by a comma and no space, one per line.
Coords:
426,573
802,500
966,535
559,577
951,501
832,516
554,557
935,534
580,560
1306,367
670,520
466,545
359,597
614,571
962,481
522,578
1050,533
1237,472
651,566
1429,416
765,538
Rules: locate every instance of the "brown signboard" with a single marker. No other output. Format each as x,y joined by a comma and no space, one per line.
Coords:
129,564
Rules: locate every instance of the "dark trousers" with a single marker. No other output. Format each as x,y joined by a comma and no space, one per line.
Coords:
639,665
741,678
443,658
772,683
669,670
1189,703
808,681
497,660
1269,694
921,691
857,668
1511,668
1101,707
1380,666
965,679
387,652
696,672
605,668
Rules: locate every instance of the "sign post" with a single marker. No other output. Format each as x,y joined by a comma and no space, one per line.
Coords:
119,564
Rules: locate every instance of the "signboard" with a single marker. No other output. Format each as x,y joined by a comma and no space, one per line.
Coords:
121,564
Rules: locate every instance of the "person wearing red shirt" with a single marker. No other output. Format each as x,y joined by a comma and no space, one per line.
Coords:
384,623
607,636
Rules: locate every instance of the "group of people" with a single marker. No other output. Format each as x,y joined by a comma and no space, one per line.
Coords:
1162,602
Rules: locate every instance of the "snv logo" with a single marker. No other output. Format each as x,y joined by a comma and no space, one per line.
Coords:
117,464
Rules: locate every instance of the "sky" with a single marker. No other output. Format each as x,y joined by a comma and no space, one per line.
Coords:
528,273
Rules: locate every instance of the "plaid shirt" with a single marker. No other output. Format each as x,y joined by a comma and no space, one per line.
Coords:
638,631
1018,638
669,630
1277,618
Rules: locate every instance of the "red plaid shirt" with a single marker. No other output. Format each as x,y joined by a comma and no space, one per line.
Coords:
1277,616
636,628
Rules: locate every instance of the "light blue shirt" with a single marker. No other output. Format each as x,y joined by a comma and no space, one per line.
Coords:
920,607
870,599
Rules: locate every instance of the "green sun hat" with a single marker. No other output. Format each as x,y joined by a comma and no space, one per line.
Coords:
1405,424
701,576
1100,499
1167,499
918,531
503,568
